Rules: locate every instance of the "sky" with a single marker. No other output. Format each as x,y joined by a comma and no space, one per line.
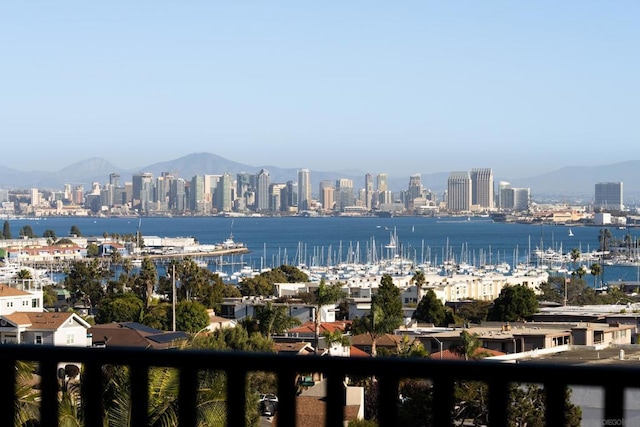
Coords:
406,87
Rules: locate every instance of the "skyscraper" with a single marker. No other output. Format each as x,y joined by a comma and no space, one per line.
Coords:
459,192
197,194
344,194
382,182
482,188
608,196
304,190
368,190
262,191
222,195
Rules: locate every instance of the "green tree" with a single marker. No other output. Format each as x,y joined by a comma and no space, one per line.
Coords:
85,281
385,314
6,230
125,307
75,231
64,241
27,231
50,234
232,339
93,250
430,309
475,311
388,298
256,286
513,304
191,316
293,274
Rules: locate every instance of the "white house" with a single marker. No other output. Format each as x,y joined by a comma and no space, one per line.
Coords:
44,328
13,299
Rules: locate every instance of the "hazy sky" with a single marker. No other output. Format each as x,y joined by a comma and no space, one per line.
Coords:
405,87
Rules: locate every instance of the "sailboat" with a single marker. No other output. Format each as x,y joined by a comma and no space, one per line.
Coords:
570,233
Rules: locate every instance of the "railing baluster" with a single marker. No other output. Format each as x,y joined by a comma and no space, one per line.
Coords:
92,391
613,403
555,407
442,401
336,399
48,392
187,399
236,399
498,402
139,378
286,396
7,391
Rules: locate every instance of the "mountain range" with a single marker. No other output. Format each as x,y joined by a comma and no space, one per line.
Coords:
567,183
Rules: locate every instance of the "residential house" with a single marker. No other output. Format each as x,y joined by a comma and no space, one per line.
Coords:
132,334
13,299
44,328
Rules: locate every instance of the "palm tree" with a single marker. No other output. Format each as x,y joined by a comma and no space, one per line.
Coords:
468,346
336,337
575,256
596,269
326,295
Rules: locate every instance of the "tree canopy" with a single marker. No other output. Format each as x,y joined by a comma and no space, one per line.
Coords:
430,309
514,303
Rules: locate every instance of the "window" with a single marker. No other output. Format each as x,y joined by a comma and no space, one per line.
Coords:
38,339
9,303
35,303
71,338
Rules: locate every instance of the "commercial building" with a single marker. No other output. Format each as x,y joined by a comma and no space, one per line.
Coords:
608,196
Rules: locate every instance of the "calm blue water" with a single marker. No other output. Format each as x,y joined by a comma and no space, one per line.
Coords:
274,241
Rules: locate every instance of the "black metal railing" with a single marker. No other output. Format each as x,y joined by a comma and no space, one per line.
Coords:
388,372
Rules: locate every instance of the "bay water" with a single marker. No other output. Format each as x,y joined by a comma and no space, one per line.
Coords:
273,241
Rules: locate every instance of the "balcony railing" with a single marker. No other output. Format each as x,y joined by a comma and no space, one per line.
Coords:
388,372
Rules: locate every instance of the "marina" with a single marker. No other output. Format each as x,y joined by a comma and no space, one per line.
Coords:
403,242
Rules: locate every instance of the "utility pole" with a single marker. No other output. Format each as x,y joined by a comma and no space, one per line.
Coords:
173,298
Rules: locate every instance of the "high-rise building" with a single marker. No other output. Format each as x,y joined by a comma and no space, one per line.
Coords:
608,196
382,182
521,199
277,193
459,192
288,196
502,186
344,194
326,195
368,190
304,190
114,179
197,194
142,191
177,195
482,188
222,196
163,188
262,191
414,190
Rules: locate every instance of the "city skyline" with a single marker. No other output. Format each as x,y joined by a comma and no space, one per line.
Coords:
445,86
